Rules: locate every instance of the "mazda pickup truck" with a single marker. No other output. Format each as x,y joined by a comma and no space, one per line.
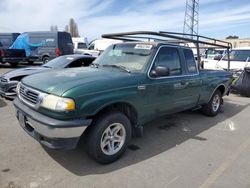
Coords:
130,84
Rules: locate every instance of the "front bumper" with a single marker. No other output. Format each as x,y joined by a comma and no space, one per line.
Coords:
13,59
53,133
8,89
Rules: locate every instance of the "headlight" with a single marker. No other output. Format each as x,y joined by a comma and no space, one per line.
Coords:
58,103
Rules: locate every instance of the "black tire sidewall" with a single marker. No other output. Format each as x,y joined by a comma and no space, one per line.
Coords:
219,94
95,133
14,64
208,109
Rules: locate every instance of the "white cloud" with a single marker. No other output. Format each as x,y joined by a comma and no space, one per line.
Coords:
225,20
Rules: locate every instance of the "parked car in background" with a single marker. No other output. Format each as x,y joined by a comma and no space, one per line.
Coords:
7,39
130,84
239,59
96,47
9,80
211,56
38,46
80,43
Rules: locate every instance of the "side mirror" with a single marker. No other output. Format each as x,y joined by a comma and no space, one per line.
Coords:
160,71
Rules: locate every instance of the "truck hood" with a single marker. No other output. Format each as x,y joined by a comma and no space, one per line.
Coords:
58,82
24,72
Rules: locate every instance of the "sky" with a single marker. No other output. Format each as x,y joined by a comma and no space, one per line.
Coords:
217,18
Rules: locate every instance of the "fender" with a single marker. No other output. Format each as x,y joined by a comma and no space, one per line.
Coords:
95,104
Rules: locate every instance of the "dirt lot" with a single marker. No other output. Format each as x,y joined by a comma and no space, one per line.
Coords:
183,150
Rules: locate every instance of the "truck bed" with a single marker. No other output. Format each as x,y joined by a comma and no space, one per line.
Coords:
12,55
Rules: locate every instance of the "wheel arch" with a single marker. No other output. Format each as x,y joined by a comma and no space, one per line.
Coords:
123,107
45,55
221,88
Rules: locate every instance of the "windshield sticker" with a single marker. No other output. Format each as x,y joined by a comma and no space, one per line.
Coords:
143,46
115,53
70,58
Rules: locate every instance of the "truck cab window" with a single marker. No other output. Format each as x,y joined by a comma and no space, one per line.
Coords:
92,46
190,61
169,57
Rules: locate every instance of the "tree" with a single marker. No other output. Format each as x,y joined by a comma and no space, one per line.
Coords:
67,28
232,37
53,28
72,28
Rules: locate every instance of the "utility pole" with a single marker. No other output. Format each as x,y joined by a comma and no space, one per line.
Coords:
191,19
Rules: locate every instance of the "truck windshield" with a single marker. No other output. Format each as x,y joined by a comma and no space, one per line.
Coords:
81,45
238,55
130,56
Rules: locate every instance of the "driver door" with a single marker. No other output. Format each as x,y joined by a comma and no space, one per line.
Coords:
165,93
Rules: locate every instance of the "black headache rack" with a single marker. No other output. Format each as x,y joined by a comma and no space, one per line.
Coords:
198,41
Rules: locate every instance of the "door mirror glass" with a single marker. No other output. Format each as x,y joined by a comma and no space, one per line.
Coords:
160,71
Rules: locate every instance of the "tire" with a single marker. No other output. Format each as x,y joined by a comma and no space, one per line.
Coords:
30,62
213,107
105,128
45,59
14,64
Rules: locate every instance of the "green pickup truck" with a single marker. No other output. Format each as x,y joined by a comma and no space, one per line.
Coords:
130,84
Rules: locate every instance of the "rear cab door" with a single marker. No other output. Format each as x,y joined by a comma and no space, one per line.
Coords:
191,80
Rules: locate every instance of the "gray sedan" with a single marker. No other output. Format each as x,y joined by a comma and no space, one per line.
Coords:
9,80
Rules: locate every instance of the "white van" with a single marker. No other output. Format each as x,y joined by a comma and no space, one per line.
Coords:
239,59
80,43
211,57
96,47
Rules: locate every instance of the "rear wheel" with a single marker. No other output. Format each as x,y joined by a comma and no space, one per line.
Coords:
213,107
45,59
108,137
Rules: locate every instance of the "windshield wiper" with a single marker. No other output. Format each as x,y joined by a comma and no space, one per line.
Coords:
119,67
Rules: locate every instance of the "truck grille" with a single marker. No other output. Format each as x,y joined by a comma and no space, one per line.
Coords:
28,95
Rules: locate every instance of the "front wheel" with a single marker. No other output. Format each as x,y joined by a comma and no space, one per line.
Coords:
213,107
108,137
